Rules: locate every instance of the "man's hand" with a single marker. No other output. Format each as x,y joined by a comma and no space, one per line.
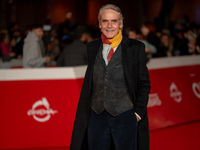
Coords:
147,49
11,54
47,59
138,119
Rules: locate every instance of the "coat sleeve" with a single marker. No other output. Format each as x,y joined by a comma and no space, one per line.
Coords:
34,59
143,83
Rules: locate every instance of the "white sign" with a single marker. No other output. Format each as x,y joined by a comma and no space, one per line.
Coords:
44,113
175,93
196,89
154,100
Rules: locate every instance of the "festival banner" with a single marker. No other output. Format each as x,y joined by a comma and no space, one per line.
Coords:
38,107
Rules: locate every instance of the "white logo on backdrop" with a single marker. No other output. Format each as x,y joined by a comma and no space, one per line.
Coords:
175,93
44,113
154,100
196,89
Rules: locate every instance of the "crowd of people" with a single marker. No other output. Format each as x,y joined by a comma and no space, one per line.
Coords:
41,45
66,44
182,39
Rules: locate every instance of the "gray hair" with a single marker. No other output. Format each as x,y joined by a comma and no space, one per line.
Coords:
113,7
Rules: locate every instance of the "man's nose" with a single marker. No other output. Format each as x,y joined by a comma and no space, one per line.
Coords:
109,24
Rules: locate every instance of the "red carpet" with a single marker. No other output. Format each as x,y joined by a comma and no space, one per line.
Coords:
182,137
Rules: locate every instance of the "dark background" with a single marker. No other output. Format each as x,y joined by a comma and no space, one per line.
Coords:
84,12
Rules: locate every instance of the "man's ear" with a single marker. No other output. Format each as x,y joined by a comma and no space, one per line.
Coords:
99,24
121,24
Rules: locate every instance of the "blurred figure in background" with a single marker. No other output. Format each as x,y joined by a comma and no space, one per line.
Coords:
18,47
179,40
148,30
12,28
166,46
131,33
87,37
75,54
191,47
27,30
5,47
33,54
53,45
149,48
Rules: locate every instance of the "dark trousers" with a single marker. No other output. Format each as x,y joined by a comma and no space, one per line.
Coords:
104,128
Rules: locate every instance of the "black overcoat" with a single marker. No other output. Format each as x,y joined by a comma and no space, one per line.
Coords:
137,80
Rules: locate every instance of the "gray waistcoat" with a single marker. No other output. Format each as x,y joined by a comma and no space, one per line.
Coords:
109,90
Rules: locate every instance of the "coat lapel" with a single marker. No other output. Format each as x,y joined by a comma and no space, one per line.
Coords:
127,58
93,51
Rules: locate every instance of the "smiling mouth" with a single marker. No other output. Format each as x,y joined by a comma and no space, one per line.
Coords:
109,30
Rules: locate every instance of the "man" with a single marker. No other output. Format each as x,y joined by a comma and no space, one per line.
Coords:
33,50
112,108
149,48
75,54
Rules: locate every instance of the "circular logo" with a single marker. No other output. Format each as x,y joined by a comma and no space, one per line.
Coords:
44,113
175,93
196,89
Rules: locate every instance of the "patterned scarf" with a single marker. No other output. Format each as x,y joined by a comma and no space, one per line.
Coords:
109,44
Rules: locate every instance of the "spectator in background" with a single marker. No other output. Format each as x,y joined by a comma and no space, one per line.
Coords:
190,48
179,40
33,56
75,54
18,48
5,47
27,30
87,37
148,31
131,33
149,48
158,33
198,37
165,47
12,28
53,47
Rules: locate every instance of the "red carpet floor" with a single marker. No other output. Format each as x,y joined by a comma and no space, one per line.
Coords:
182,137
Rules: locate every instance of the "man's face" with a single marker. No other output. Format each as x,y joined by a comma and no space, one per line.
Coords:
131,35
145,31
109,23
165,40
38,32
